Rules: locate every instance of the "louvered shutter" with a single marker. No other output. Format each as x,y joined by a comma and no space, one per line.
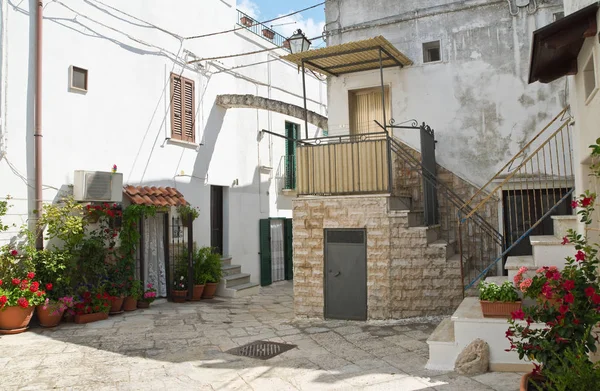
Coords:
176,105
188,110
182,108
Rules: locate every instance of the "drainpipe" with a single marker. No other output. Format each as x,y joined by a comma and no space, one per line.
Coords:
37,136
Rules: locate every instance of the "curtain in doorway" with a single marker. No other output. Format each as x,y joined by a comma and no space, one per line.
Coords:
277,251
154,254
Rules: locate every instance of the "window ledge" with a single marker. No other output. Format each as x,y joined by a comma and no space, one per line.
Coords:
182,143
289,192
591,96
433,62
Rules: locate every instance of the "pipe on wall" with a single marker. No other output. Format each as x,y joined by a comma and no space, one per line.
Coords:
37,135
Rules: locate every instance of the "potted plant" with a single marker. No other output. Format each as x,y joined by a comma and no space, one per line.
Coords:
201,274
136,291
247,21
214,273
498,301
52,269
93,305
180,288
51,312
186,212
268,33
567,322
148,297
18,298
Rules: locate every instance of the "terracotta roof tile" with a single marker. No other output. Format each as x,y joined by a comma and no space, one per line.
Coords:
157,196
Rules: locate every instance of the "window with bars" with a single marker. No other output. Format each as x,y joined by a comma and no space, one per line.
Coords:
183,109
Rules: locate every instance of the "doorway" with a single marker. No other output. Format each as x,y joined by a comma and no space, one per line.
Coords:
345,274
276,251
153,259
216,218
522,208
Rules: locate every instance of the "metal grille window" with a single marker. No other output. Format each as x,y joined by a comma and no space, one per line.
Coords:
182,109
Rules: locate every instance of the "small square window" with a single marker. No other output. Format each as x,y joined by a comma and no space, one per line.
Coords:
589,77
558,15
79,79
432,52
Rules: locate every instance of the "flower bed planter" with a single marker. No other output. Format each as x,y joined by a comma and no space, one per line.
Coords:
197,293
209,290
88,318
270,34
49,317
15,319
116,305
528,380
178,296
246,21
499,309
130,304
143,304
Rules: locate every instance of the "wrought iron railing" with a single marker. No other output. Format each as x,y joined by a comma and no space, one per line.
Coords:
262,30
286,172
342,165
533,184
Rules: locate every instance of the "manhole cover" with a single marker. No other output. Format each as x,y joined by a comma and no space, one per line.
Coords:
263,350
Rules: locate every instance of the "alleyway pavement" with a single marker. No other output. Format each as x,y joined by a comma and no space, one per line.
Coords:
183,347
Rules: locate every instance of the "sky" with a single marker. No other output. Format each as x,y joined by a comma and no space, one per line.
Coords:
311,22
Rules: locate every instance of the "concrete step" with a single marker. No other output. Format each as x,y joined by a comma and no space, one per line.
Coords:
241,290
236,279
226,261
449,246
513,264
562,224
443,349
548,250
228,270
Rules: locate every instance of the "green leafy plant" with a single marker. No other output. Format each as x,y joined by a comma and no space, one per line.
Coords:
129,237
213,267
186,212
489,291
54,267
136,289
64,221
201,273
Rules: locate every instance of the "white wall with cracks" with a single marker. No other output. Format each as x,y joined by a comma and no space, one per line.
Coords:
477,98
129,49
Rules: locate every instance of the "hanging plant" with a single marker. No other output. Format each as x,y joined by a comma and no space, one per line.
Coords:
187,211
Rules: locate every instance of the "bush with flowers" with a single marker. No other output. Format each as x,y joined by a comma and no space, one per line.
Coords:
92,299
149,294
23,292
567,303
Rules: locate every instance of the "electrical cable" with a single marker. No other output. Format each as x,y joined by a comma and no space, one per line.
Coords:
256,24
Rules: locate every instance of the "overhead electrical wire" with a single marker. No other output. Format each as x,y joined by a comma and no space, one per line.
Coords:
257,23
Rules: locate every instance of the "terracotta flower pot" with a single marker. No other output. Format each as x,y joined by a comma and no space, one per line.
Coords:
116,305
49,317
143,304
130,304
209,290
526,385
14,320
88,318
178,296
197,293
499,309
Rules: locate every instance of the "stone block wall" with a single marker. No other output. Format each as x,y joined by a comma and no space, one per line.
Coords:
406,276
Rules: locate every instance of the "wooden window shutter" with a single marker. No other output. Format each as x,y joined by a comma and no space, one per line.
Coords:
182,108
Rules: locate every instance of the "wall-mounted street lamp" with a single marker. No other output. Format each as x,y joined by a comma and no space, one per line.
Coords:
298,42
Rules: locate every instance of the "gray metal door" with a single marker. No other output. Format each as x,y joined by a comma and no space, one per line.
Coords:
430,201
345,274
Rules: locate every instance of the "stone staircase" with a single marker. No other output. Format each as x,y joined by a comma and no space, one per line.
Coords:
235,283
467,323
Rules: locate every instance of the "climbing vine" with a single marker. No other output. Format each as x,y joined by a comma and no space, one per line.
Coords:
130,235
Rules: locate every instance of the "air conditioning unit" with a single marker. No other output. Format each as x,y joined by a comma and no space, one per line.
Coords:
98,186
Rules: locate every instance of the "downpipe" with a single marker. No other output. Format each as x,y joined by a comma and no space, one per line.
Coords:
37,136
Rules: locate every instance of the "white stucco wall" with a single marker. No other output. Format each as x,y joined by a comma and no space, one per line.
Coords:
477,98
124,118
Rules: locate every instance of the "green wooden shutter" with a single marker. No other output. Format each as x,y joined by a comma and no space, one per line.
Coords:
265,252
291,131
289,250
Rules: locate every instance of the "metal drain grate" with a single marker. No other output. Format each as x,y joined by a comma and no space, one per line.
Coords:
263,350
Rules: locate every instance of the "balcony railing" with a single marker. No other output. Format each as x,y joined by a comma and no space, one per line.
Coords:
341,165
262,30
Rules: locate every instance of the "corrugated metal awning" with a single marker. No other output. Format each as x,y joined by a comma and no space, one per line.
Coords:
351,57
556,46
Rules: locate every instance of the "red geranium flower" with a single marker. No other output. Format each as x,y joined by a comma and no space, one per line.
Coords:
556,276
87,295
580,256
596,298
16,281
49,286
0,282
39,293
565,240
14,253
519,314
574,204
33,288
563,309
30,275
22,302
569,285
587,201
569,298
3,300
589,291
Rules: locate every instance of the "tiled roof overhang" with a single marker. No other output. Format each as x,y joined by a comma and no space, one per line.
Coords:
154,196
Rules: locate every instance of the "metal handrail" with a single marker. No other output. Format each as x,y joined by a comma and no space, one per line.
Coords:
257,27
511,161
